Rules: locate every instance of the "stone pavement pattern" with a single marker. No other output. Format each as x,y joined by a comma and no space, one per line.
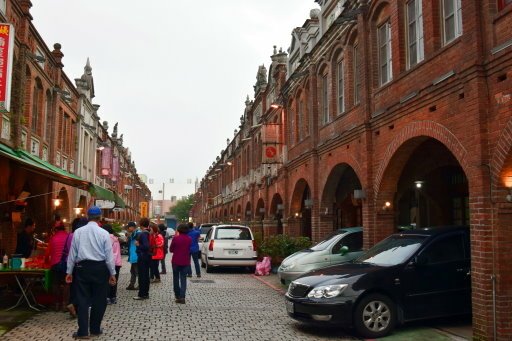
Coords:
236,306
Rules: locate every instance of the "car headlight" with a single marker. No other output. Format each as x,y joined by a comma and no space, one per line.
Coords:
327,291
288,266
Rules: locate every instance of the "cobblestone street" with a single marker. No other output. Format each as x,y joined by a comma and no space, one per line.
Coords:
228,305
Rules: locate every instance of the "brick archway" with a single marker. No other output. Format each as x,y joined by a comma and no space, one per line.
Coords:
501,160
400,149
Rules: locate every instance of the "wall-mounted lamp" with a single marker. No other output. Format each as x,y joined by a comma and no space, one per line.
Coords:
78,210
276,105
247,139
419,184
37,58
509,195
56,202
387,206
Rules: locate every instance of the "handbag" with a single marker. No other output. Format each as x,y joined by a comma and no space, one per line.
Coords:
62,265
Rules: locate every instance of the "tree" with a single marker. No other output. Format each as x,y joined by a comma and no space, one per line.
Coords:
182,208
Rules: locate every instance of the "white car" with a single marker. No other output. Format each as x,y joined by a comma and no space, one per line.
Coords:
204,231
228,245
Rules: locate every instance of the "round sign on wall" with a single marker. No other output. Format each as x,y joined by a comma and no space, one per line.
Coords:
270,151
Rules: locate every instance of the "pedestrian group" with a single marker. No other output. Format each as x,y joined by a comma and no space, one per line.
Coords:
86,262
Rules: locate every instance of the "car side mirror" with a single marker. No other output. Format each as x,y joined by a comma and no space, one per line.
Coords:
421,260
344,250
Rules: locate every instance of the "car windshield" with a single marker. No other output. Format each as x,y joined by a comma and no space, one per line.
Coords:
393,250
230,233
326,243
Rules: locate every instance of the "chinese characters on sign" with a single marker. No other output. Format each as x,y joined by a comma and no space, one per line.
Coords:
143,207
6,53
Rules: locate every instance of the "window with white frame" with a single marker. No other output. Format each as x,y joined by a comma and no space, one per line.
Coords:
71,166
57,160
414,32
23,140
6,127
34,146
384,41
325,99
3,6
65,163
341,90
452,19
300,118
357,81
45,153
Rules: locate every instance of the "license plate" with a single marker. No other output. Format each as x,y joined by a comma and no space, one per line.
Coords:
233,252
289,307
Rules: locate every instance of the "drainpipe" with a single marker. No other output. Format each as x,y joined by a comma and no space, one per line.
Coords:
493,279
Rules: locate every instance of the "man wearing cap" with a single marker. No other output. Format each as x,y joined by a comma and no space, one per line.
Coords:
91,268
132,254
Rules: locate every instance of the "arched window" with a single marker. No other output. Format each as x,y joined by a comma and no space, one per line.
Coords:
37,105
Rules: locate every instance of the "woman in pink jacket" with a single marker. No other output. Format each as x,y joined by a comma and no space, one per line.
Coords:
116,249
156,244
56,247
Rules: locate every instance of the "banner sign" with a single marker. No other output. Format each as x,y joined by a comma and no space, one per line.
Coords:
143,207
6,53
270,133
115,168
270,153
106,161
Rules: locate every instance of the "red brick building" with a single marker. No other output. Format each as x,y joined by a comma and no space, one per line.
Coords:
39,140
390,114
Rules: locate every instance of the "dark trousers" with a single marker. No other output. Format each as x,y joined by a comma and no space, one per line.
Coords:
162,263
133,274
153,273
143,264
179,280
113,288
91,285
195,259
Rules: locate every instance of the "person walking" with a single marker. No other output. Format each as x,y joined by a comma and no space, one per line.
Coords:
163,232
143,259
156,243
194,234
75,225
91,267
180,249
116,249
132,255
56,252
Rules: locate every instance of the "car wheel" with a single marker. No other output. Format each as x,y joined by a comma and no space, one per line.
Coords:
209,269
375,316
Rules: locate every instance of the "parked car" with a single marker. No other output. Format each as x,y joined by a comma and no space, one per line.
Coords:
340,246
228,245
204,230
417,274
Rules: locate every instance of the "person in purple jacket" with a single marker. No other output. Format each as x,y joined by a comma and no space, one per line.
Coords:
180,249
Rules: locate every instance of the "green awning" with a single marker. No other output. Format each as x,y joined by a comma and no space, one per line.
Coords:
99,192
35,164
27,156
119,201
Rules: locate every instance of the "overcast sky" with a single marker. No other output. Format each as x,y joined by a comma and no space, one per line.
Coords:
174,74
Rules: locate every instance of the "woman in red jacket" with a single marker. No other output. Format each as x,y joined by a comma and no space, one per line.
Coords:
156,244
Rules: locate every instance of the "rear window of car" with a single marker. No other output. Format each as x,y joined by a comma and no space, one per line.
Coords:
205,229
232,233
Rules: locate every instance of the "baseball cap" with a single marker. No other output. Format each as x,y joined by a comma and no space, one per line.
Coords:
131,224
94,211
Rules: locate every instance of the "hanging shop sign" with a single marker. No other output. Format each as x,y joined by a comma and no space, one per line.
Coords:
105,204
6,54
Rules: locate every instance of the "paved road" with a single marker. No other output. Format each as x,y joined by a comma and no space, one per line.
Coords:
222,306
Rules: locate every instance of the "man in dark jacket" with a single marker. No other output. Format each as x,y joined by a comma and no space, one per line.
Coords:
25,242
143,259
